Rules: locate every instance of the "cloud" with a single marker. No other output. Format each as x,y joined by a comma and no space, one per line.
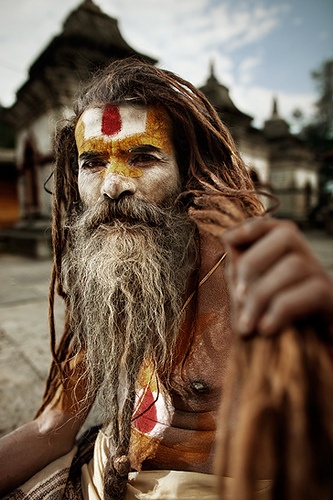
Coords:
298,21
190,27
245,70
238,25
184,35
257,101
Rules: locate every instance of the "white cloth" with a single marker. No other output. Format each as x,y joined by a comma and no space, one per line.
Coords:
157,484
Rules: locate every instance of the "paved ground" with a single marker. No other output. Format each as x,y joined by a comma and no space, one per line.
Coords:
24,345
24,341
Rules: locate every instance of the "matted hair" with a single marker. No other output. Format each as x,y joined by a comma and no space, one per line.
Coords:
210,166
206,153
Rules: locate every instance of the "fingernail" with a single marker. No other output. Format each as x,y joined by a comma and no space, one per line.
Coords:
240,291
244,326
266,326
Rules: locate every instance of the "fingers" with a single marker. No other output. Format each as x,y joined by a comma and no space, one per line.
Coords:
273,276
249,231
260,242
257,245
254,301
311,297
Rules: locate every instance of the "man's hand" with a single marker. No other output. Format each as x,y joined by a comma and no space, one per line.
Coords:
274,277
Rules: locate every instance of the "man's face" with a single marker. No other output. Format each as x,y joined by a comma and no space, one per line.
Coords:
126,150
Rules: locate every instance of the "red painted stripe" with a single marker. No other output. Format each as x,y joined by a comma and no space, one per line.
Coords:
111,120
147,410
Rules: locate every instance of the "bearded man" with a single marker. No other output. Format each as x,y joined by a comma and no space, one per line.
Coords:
145,173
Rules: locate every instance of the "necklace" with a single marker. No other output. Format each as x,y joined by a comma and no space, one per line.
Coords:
202,281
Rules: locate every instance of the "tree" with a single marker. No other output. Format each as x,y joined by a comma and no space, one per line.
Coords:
324,115
319,132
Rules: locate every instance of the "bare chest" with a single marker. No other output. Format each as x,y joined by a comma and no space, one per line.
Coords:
187,438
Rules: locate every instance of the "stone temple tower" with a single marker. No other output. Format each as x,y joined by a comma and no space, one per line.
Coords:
89,40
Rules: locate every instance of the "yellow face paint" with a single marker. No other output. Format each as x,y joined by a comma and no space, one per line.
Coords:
123,169
126,149
113,131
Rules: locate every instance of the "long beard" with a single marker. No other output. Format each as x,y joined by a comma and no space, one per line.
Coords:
126,274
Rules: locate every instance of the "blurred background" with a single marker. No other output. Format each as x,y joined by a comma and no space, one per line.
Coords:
266,66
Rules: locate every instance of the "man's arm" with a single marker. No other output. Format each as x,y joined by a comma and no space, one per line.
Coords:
31,447
34,445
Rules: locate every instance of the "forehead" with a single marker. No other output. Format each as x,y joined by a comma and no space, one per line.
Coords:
125,123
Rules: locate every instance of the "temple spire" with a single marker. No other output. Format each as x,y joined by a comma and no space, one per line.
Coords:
212,67
275,126
275,112
212,78
90,5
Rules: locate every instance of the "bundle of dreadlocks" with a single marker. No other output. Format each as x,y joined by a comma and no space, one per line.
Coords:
279,396
276,417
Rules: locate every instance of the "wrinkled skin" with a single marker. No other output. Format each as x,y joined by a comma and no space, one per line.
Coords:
274,277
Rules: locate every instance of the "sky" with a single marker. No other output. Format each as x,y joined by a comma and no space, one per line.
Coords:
260,48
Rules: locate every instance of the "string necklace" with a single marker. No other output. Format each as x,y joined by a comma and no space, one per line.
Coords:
202,281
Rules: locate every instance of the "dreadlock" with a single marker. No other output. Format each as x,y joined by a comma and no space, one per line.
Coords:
279,391
210,167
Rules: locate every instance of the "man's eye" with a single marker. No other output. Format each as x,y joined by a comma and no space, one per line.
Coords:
93,164
143,158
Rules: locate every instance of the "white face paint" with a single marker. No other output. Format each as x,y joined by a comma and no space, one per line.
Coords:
125,150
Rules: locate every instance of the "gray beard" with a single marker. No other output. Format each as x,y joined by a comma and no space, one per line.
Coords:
126,272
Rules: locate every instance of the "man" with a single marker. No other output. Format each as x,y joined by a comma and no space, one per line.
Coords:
146,179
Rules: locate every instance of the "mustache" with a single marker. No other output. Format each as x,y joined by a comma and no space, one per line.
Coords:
128,211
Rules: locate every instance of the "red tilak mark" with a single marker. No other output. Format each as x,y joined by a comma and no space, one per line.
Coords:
111,120
147,413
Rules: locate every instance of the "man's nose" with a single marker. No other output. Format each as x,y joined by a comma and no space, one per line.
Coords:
116,186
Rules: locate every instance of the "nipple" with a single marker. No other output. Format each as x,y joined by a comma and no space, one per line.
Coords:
199,387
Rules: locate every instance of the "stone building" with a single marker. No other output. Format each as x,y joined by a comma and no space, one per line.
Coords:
293,169
278,160
250,141
89,40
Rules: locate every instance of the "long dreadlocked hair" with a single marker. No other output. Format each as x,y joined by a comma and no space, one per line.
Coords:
209,164
277,405
208,159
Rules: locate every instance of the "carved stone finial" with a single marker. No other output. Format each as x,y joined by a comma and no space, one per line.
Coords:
212,68
275,112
